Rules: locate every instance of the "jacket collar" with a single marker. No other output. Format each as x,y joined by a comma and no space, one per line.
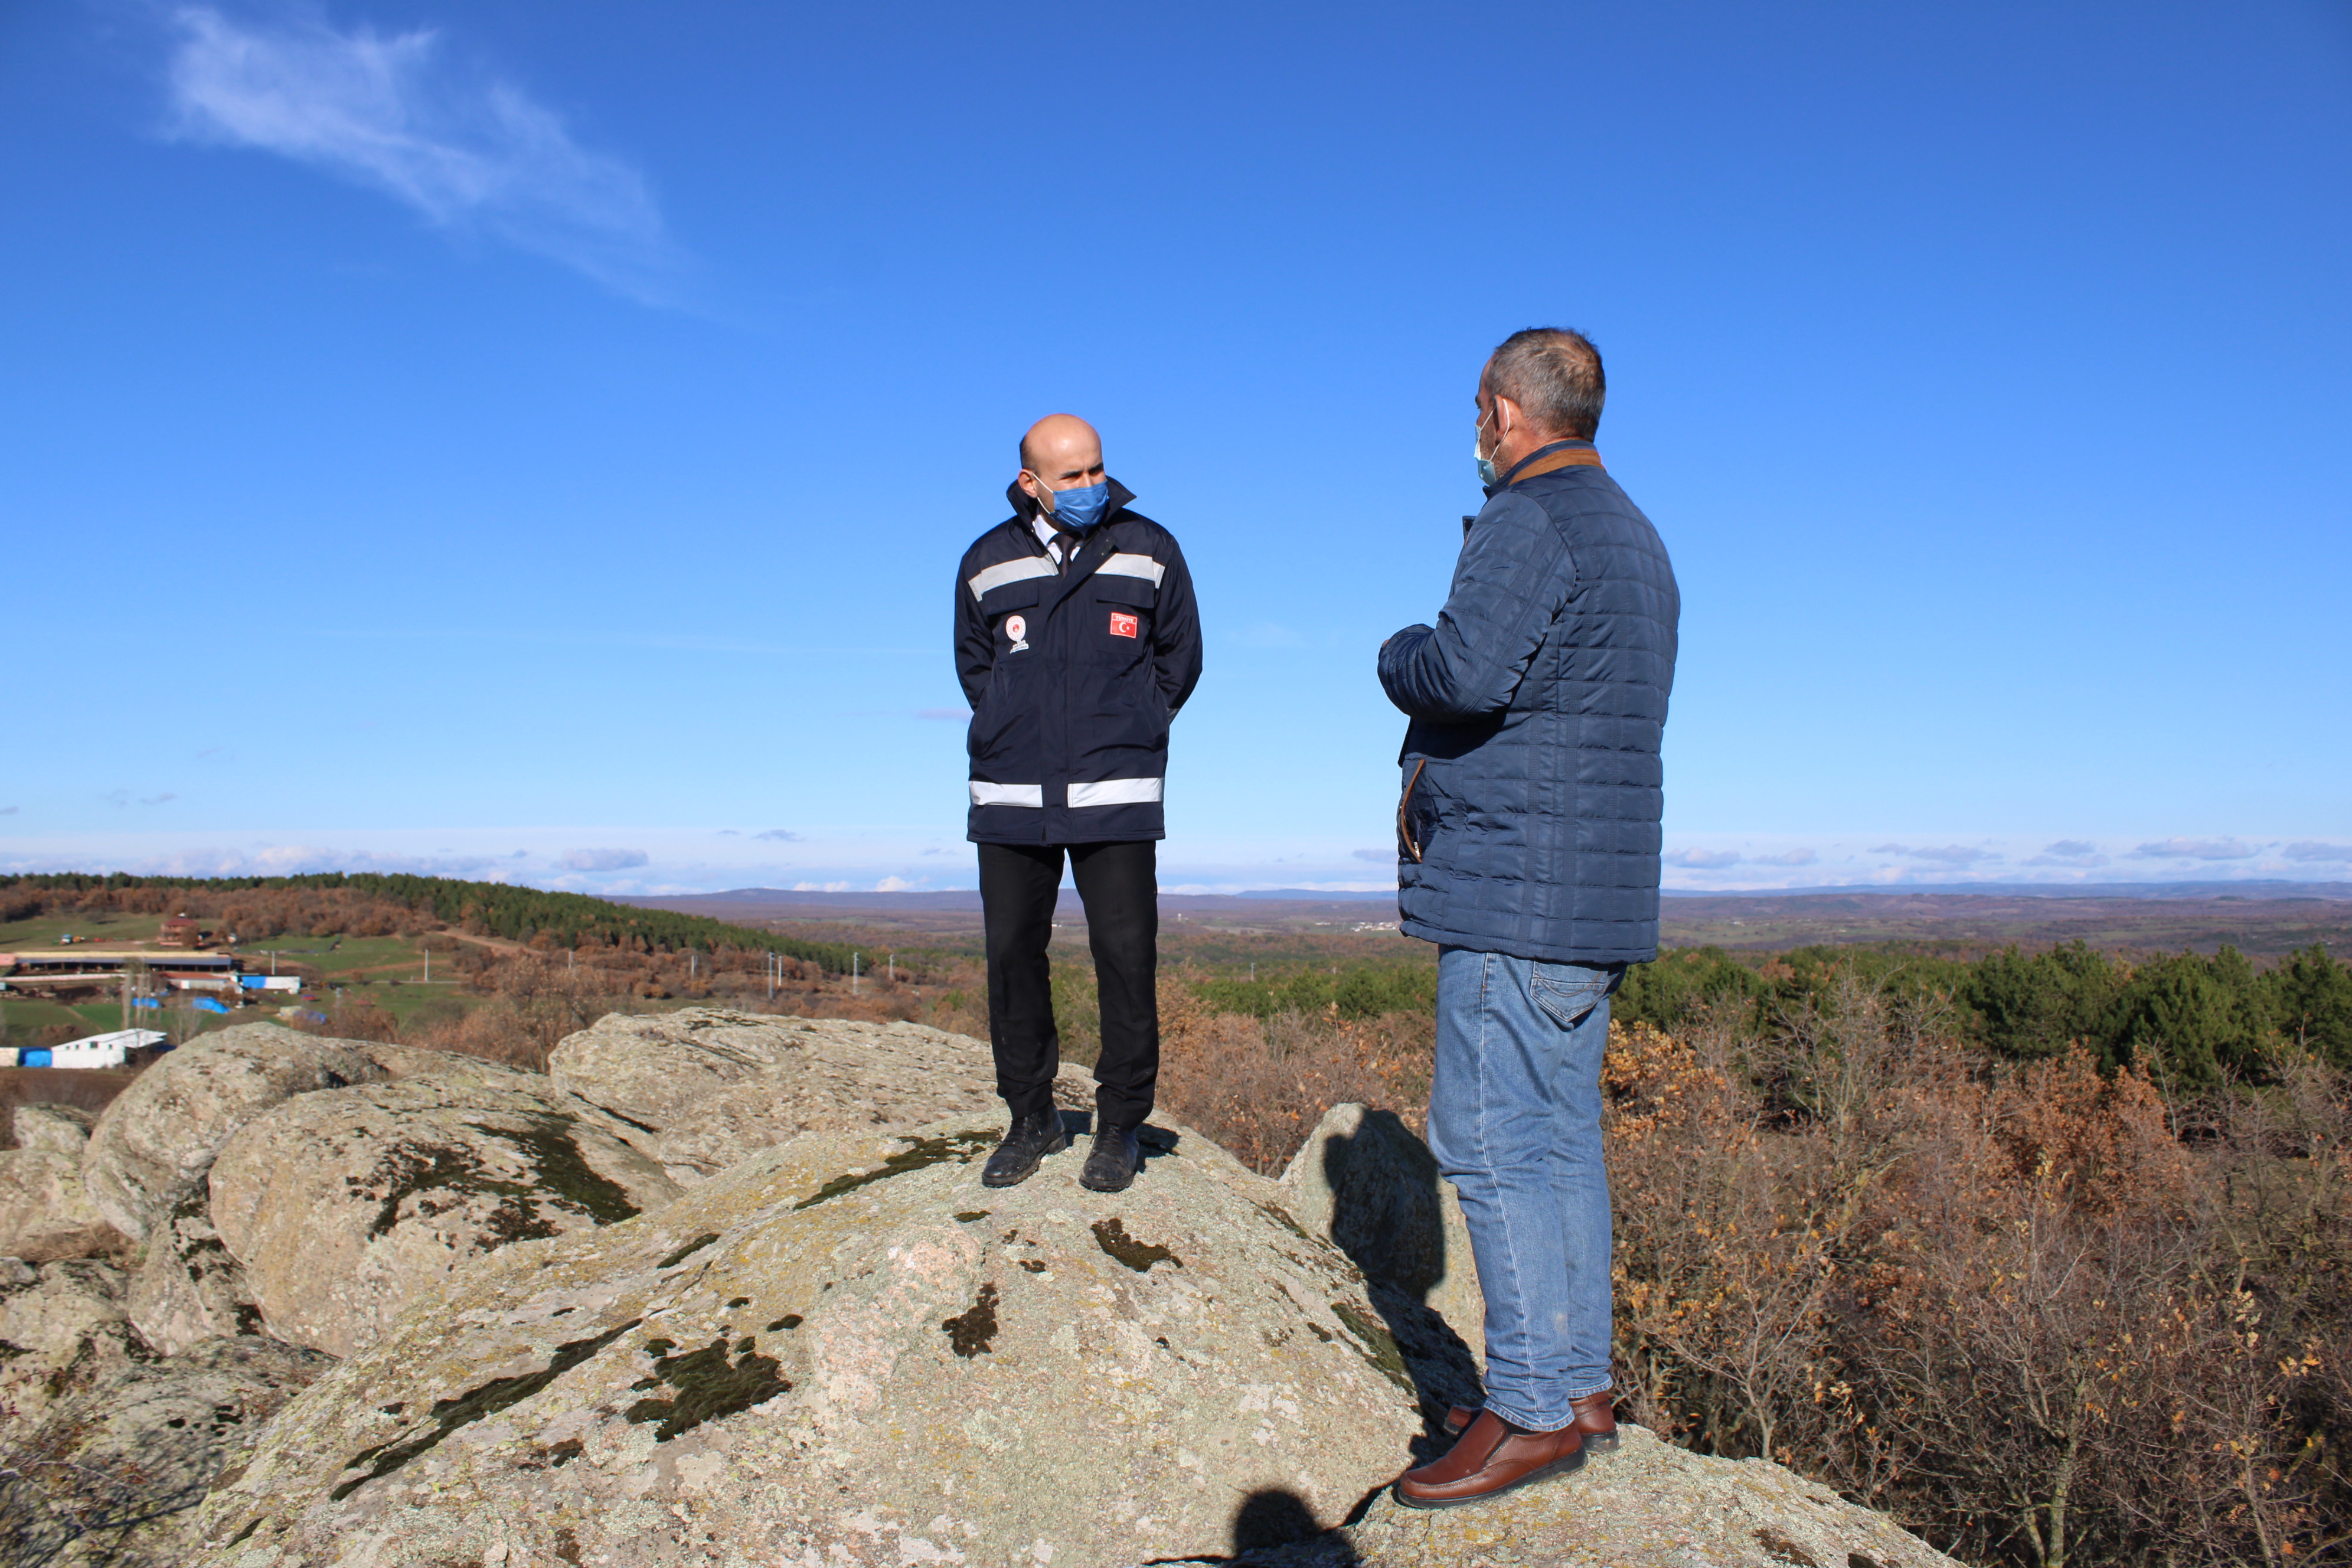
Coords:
1025,506
1547,460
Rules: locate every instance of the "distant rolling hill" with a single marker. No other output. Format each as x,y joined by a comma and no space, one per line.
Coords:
2266,919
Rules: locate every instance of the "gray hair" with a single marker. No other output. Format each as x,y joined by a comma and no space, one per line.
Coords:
1554,373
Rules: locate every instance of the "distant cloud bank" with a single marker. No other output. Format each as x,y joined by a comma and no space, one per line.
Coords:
2195,849
470,155
629,859
602,860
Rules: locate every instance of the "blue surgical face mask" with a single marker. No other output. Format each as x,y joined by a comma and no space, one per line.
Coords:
1080,510
1477,445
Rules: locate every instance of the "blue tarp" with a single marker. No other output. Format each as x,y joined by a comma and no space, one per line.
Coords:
34,1057
206,1005
145,1002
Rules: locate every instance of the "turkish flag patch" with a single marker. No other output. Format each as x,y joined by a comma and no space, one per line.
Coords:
1122,624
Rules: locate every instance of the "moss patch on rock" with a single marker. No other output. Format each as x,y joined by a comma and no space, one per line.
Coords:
708,1384
450,1415
972,1331
919,1153
1111,1236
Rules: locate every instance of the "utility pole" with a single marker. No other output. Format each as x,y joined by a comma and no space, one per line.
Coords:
126,996
893,969
428,961
771,977
853,974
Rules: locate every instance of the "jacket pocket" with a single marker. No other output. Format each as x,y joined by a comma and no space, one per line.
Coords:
1011,611
1409,832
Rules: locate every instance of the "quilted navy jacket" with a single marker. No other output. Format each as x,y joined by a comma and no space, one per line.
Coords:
1073,674
1529,824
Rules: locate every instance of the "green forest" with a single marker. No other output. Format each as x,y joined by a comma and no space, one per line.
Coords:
481,909
2196,1019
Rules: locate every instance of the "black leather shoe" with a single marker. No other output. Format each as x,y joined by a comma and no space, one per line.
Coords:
1111,1167
1030,1139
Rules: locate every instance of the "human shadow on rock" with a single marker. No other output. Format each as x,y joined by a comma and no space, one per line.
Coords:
1388,1218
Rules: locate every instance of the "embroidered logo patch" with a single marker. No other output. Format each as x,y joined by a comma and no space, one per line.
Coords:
1015,627
1122,624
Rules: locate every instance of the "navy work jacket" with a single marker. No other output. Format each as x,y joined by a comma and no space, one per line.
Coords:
1072,673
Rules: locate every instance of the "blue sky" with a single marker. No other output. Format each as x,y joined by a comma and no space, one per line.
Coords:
536,441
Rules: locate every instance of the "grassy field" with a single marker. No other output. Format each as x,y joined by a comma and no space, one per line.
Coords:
43,931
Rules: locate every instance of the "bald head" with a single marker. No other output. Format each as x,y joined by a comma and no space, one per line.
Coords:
1060,442
1061,452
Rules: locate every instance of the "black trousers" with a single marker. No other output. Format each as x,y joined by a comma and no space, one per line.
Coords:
1120,887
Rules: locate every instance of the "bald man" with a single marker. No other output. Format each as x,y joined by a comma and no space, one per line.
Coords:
1076,643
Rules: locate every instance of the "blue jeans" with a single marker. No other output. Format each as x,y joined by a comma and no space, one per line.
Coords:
1515,1120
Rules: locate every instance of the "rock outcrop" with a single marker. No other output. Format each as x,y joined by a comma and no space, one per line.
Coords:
187,1288
344,1205
728,1290
113,1476
845,1351
1365,1181
61,1329
161,1134
704,1087
1651,1505
45,1213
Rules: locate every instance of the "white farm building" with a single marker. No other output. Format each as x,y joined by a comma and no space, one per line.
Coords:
109,1050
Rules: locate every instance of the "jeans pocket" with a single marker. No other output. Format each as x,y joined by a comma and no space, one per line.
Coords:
1567,997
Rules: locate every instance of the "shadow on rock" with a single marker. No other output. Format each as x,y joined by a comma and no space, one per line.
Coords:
1388,1213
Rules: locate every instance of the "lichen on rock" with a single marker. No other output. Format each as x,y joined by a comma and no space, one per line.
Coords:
344,1205
868,1378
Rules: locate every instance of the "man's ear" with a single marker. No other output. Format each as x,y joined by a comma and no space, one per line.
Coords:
1506,416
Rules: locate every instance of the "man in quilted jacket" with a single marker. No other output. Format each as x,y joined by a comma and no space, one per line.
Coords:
1527,837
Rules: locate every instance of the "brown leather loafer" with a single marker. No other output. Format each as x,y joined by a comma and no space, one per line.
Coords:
1491,1458
1596,1417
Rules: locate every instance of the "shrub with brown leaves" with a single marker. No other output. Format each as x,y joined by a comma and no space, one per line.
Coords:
2043,1315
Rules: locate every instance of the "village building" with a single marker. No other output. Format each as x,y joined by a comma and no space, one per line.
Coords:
107,1050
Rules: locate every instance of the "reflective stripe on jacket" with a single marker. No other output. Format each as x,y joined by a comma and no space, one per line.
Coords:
1530,820
1072,676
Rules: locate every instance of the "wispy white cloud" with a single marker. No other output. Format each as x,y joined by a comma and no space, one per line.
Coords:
1939,855
2194,850
779,836
2308,849
1703,860
471,154
601,860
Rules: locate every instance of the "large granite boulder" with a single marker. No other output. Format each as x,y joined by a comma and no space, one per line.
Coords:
61,1329
112,1478
341,1205
705,1086
53,1129
45,1214
845,1351
1651,1505
162,1133
1367,1182
187,1289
